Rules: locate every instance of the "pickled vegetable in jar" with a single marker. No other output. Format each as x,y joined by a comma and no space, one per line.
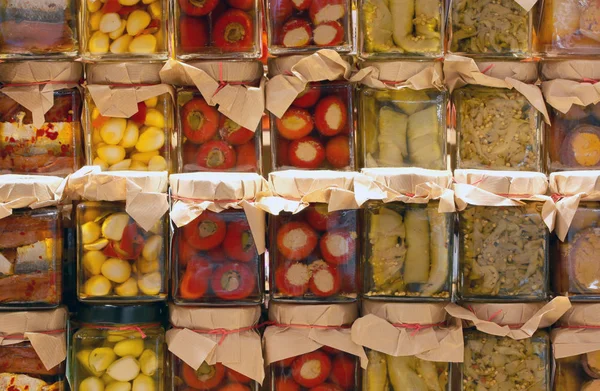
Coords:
119,347
211,376
118,261
121,29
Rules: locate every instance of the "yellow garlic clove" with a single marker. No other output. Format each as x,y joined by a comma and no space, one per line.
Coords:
99,162
143,383
152,139
101,358
118,386
127,289
130,347
143,157
115,338
92,261
95,19
83,356
143,44
111,154
118,32
121,44
155,9
149,1
96,137
157,228
128,2
152,102
110,22
121,166
114,225
97,245
106,378
98,43
113,130
90,232
138,166
93,6
147,266
155,118
138,20
97,286
124,369
153,248
91,384
116,270
157,163
130,137
148,362
150,284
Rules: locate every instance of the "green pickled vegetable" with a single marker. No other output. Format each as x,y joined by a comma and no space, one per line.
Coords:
392,137
424,144
416,269
376,378
378,25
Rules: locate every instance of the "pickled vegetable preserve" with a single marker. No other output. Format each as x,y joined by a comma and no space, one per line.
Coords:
21,369
402,127
120,29
503,253
31,259
497,129
118,261
209,377
408,251
323,369
317,130
215,261
118,345
314,255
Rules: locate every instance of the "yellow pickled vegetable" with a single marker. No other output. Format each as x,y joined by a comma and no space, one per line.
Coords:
101,358
91,384
121,44
83,356
155,10
137,21
128,2
143,383
143,44
110,22
99,162
118,32
124,369
90,232
98,43
97,245
152,139
116,270
143,157
148,362
130,137
107,379
121,166
93,6
111,154
157,163
153,248
114,226
155,118
95,19
130,347
118,386
92,261
150,284
97,286
152,102
115,338
113,130
136,165
149,1
127,289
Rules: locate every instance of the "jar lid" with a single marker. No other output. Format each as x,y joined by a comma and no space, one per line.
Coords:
527,72
123,314
231,71
576,70
123,73
40,71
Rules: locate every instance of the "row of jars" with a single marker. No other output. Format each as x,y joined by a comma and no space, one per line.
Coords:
119,29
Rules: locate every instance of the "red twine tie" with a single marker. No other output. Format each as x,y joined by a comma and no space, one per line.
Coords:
591,81
488,68
133,85
139,329
416,327
557,197
188,199
223,83
494,315
22,336
224,332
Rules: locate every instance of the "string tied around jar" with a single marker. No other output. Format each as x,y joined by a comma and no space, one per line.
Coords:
557,197
495,315
226,332
138,328
223,83
416,327
226,201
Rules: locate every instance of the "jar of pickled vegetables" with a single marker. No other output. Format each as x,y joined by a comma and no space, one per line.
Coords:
422,24
498,119
401,125
573,139
31,242
118,347
218,249
503,239
220,137
297,351
129,118
315,131
228,335
123,29
34,137
327,24
40,28
213,29
503,28
27,366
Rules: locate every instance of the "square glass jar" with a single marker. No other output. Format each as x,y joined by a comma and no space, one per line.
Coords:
575,261
407,252
578,372
402,127
117,260
142,142
503,253
507,363
401,30
53,149
497,129
207,377
215,261
317,131
31,244
209,141
573,139
38,29
22,359
123,30
218,30
501,28
314,255
296,373
303,26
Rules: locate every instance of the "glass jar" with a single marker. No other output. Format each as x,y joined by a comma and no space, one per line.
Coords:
326,25
336,370
404,373
221,267
31,259
573,139
479,28
141,142
208,377
422,28
219,144
122,344
53,149
577,271
317,131
314,255
40,28
21,359
402,127
497,129
123,29
505,363
407,251
576,373
118,261
213,29
503,253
